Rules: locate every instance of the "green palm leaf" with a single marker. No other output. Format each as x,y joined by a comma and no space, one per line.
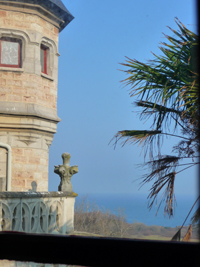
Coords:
167,90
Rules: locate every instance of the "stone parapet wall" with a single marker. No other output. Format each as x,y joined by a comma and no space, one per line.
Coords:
37,212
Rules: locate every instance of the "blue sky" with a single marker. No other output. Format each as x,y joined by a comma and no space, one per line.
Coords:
92,103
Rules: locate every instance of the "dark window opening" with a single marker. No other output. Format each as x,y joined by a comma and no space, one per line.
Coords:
43,58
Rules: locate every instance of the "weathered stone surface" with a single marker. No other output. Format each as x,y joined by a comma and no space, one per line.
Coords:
65,172
37,212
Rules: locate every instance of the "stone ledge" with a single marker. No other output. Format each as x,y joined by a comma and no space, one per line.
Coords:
11,69
30,194
28,109
47,77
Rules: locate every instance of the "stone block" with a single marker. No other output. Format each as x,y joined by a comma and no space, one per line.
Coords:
30,167
42,168
56,30
21,24
3,14
46,89
45,176
3,137
29,99
8,23
5,90
8,75
37,175
2,168
19,76
35,78
18,183
17,151
19,90
17,166
2,97
16,174
36,27
29,84
43,161
31,18
18,16
20,159
27,175
28,152
3,82
15,83
53,91
38,153
46,32
14,98
34,160
42,185
32,92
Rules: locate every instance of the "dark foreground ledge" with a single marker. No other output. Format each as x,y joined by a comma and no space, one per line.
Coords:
92,251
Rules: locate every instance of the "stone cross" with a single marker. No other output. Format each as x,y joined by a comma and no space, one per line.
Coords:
65,172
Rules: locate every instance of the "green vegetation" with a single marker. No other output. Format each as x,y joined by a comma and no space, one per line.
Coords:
166,89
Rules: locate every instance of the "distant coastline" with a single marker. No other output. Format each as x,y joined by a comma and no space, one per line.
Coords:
135,208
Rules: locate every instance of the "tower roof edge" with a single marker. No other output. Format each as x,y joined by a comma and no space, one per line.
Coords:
56,7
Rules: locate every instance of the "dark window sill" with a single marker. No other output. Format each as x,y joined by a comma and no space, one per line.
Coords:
47,76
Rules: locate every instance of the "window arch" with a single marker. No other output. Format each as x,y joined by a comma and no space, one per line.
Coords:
48,51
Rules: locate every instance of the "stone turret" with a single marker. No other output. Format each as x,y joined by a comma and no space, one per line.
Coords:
29,32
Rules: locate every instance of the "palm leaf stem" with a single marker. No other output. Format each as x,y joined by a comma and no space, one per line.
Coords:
176,136
190,212
187,167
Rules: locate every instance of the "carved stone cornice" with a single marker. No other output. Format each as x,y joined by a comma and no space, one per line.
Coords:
28,109
28,139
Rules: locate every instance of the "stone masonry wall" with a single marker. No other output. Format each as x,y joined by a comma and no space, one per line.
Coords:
29,135
28,88
19,20
30,157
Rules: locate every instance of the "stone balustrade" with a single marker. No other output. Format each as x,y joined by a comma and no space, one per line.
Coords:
37,212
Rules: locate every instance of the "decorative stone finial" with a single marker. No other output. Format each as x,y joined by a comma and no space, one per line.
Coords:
65,172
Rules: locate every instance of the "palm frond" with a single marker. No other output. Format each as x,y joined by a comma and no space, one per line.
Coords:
168,195
196,217
169,80
188,235
163,171
166,88
160,113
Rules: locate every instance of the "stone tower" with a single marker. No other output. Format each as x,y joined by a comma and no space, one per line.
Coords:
29,32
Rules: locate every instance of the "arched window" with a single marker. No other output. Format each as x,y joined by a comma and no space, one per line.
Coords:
10,52
44,58
48,58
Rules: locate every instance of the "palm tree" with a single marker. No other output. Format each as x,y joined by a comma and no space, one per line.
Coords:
167,91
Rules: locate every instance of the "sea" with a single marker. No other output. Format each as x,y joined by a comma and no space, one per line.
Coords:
135,208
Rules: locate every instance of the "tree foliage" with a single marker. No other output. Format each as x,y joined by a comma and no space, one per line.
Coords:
166,90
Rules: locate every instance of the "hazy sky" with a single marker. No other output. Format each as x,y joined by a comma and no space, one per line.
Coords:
93,104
